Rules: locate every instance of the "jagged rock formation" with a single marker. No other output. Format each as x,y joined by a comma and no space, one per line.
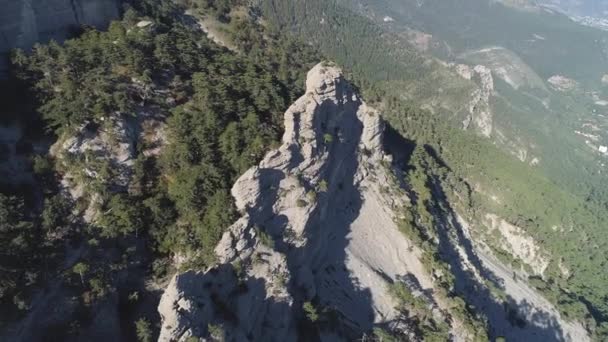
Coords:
25,22
479,108
318,223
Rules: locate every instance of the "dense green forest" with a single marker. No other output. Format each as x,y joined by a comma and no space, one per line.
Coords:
225,111
529,198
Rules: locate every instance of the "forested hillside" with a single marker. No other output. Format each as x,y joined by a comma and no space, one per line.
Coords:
220,110
527,197
526,45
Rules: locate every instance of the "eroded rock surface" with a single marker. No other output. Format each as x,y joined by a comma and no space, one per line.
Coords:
317,224
479,108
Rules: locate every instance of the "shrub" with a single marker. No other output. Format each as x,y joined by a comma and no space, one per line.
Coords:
311,195
323,186
264,238
80,269
310,311
143,330
216,332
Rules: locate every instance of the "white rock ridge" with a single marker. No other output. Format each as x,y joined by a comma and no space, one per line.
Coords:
321,200
479,108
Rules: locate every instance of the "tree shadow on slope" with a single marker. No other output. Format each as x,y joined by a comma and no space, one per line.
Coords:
507,318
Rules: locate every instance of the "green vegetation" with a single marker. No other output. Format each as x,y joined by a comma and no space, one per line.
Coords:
420,226
323,186
81,269
120,216
18,252
216,332
227,112
481,24
144,330
222,110
264,238
415,308
310,311
398,82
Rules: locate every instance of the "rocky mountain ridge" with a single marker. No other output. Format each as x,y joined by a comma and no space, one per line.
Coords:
316,224
319,229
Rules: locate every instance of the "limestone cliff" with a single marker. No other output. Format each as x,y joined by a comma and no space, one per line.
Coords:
26,22
317,223
479,108
318,226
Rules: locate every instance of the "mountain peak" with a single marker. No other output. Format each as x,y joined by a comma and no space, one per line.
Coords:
317,224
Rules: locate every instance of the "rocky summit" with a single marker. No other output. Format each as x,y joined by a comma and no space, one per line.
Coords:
315,224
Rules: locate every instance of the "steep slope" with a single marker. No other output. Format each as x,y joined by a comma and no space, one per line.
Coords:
320,225
316,225
554,178
86,259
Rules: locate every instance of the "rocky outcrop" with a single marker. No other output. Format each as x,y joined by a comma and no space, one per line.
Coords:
516,242
26,22
479,108
317,225
97,155
507,66
562,83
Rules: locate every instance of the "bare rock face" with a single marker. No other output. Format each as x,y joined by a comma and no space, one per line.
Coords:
317,225
515,241
480,112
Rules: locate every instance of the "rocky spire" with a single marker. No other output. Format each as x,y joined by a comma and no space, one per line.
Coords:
315,225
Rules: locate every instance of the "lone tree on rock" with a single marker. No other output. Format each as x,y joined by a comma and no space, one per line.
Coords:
80,269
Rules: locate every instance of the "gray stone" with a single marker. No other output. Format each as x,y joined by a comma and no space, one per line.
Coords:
340,245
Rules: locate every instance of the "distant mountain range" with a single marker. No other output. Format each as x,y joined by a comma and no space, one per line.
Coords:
592,13
588,8
579,8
